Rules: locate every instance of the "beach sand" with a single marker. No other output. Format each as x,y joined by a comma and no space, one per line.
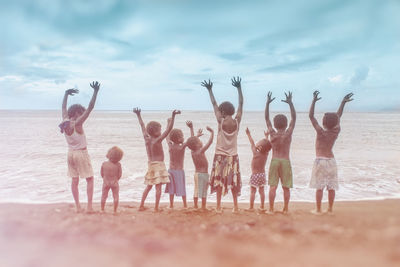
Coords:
360,233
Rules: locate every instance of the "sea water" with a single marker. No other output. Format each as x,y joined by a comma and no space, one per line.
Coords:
33,154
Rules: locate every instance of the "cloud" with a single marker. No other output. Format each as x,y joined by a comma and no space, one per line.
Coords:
336,79
360,75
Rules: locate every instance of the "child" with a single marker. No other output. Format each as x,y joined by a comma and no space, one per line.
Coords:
176,173
324,173
257,179
201,164
280,167
111,172
157,173
225,172
79,165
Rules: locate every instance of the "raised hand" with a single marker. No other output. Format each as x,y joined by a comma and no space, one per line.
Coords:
175,112
236,82
199,132
207,85
209,129
95,86
247,131
315,96
71,91
348,98
266,133
270,99
137,111
288,98
189,124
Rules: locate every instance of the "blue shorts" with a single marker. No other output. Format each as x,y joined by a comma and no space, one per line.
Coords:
177,183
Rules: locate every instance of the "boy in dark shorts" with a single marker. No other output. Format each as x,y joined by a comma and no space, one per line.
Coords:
257,179
324,173
281,138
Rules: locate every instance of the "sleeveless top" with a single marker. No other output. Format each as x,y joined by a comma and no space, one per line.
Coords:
226,142
76,141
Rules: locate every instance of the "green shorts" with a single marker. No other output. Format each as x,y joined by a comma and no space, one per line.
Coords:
280,169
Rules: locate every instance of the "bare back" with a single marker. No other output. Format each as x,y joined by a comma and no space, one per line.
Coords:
325,141
111,171
176,156
258,162
200,161
154,148
280,141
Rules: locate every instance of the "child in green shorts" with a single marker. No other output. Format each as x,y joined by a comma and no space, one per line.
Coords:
281,138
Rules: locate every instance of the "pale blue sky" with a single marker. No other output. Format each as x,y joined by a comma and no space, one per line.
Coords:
154,54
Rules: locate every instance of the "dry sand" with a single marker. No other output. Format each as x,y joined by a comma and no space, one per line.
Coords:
361,233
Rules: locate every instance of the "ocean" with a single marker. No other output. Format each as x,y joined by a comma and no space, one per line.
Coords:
34,154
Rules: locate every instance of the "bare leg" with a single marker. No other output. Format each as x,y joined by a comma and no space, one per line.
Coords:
219,196
331,197
271,196
115,191
262,196
89,191
195,200
286,198
158,196
144,196
252,196
104,196
75,193
235,203
171,201
318,197
184,201
203,203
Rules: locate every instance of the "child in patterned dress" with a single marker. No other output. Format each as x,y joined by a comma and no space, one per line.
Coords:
257,179
157,173
324,173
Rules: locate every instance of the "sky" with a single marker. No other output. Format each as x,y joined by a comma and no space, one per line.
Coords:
154,54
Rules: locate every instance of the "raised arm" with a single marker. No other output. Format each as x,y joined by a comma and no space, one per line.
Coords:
209,85
141,123
288,100
206,146
269,100
169,127
314,121
67,93
85,115
346,98
190,125
253,146
237,83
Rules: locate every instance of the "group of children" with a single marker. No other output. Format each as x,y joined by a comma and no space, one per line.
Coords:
225,174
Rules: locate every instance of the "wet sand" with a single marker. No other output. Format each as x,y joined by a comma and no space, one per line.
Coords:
360,233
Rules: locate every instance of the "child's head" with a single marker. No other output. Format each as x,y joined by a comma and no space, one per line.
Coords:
330,120
226,108
176,136
115,154
153,128
75,111
263,146
280,122
194,143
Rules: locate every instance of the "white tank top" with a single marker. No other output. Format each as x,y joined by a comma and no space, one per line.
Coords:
76,141
226,142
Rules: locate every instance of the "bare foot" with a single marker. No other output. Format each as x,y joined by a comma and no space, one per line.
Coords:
316,212
261,210
218,210
269,212
142,208
157,210
250,209
90,211
235,210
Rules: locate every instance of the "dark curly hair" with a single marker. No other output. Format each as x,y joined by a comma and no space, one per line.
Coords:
265,145
192,141
175,135
330,120
74,109
280,121
226,108
115,154
152,126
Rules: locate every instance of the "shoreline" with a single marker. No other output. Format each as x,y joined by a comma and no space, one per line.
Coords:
359,233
